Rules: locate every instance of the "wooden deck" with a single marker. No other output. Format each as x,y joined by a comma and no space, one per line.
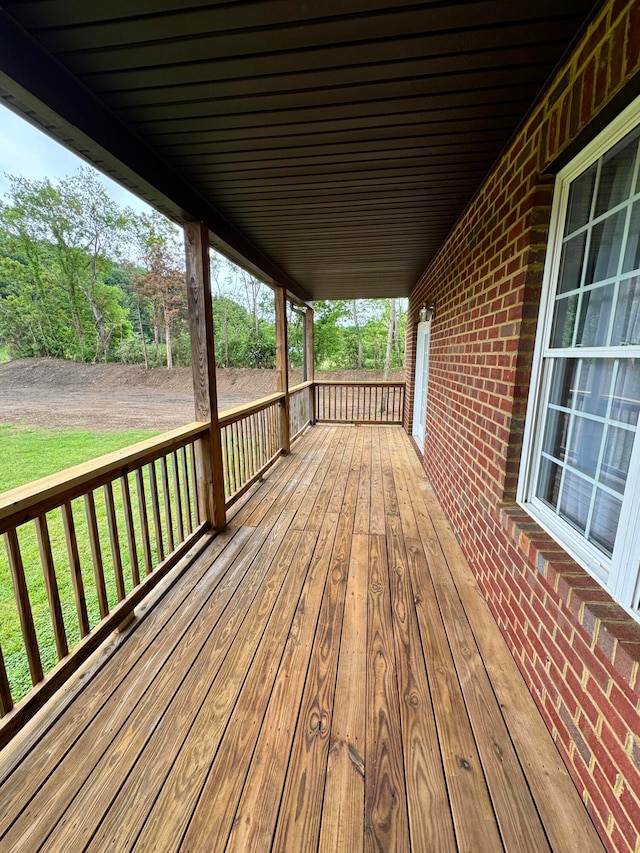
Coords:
323,676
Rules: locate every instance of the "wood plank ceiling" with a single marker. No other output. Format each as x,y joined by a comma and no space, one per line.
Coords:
329,144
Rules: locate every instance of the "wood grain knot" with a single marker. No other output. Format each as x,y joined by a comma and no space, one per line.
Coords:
464,763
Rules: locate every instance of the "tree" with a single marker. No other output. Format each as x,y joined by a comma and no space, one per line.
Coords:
65,236
328,335
358,335
163,283
390,337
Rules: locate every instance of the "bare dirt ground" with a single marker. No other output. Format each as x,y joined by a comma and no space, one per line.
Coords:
47,392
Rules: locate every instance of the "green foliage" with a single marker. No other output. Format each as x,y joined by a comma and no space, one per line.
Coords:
329,347
81,279
57,243
337,337
238,342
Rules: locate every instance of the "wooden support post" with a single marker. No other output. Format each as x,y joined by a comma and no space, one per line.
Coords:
282,366
210,479
309,362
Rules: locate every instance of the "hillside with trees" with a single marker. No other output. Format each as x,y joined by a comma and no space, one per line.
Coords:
85,280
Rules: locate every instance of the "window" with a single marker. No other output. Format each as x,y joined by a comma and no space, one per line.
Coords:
580,477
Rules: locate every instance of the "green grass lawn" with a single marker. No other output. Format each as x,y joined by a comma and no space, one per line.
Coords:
29,453
26,455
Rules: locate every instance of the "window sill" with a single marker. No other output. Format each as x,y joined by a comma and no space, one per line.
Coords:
606,626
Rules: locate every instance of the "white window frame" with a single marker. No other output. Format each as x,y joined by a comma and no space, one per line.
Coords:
620,574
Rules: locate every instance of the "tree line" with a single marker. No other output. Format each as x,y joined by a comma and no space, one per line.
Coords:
83,279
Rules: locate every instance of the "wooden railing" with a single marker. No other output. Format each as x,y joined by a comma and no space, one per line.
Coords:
300,408
360,402
250,444
83,548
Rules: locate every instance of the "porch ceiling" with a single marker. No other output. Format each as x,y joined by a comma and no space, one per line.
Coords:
329,146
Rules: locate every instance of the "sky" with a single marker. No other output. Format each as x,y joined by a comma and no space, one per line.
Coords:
27,151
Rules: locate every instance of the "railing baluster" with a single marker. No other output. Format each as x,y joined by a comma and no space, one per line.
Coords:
130,528
155,508
24,605
114,540
6,699
196,499
224,438
76,571
61,491
236,455
229,457
167,502
96,554
144,521
177,496
186,490
265,436
243,454
254,447
51,586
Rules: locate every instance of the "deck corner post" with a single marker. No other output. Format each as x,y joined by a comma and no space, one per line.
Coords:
309,363
210,478
282,366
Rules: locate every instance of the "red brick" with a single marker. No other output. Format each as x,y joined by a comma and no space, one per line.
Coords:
632,52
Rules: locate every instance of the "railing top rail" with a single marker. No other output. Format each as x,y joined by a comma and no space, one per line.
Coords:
27,502
301,386
370,382
229,416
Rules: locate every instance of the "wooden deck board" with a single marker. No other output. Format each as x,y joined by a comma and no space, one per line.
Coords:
324,675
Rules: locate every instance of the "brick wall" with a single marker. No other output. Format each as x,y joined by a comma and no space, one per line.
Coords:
578,651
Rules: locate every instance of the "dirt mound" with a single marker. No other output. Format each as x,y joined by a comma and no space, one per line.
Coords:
48,372
51,392
73,375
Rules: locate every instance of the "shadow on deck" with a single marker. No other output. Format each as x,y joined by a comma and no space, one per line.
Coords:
322,675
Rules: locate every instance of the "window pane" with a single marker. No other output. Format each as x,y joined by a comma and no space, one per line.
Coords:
575,500
632,250
586,439
580,196
604,522
564,381
595,312
626,396
564,321
549,482
617,455
626,324
571,263
604,251
555,439
594,386
616,173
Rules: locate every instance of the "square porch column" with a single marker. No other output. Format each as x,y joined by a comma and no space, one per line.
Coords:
210,476
282,366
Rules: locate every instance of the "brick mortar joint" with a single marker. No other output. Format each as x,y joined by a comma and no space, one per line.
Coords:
608,623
